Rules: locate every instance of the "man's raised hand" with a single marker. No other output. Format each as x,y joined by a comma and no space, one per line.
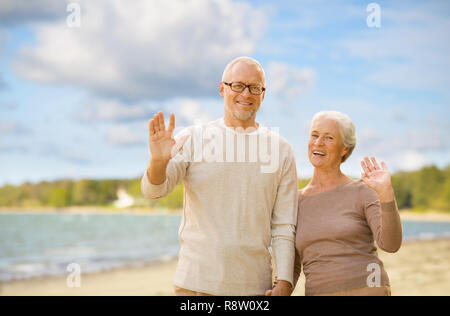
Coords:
162,143
161,140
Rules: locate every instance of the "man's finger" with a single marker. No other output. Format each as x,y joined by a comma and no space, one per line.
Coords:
151,128
156,123
162,126
171,122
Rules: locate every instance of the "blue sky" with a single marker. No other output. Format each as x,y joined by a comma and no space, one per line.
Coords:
75,102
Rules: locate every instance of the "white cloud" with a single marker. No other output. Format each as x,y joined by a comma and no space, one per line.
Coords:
65,153
191,112
2,83
122,135
410,161
12,127
17,12
409,50
112,110
7,105
16,148
289,82
154,49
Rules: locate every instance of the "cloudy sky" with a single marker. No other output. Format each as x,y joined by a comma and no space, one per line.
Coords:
75,101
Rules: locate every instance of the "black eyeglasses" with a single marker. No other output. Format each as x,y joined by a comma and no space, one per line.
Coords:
240,87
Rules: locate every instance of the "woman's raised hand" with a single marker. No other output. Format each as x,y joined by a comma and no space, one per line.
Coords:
378,178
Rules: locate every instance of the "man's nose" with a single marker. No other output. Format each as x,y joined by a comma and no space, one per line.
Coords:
246,91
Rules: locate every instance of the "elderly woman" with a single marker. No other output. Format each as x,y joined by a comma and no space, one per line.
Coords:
339,218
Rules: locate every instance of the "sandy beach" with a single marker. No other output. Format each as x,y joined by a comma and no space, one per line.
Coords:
419,268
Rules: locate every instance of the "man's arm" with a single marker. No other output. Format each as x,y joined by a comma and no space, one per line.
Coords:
284,220
163,172
156,171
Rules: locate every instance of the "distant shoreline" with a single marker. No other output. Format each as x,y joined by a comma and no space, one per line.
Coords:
425,216
404,214
89,210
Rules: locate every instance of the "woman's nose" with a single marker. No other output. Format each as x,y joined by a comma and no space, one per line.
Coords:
319,141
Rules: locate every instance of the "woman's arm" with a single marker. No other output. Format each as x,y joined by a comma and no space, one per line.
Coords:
382,213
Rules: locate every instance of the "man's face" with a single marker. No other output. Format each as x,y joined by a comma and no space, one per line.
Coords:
242,106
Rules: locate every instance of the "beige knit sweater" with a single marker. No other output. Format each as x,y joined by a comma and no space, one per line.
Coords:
236,206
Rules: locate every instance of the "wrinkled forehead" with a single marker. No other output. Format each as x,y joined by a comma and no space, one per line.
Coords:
247,73
326,125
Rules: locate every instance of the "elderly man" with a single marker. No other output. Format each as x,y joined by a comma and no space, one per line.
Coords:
236,206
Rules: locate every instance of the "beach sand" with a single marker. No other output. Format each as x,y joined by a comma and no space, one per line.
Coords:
419,268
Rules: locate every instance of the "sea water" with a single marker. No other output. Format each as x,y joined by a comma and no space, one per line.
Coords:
34,245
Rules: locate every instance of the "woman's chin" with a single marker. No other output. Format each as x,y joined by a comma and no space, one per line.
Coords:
317,162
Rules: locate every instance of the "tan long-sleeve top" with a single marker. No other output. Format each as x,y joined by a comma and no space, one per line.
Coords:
335,237
237,203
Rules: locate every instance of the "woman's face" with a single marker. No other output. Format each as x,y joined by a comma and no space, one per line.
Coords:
325,146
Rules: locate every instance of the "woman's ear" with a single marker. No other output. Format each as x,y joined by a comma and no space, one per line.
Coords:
345,152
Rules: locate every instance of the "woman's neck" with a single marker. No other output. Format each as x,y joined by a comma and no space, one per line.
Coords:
328,178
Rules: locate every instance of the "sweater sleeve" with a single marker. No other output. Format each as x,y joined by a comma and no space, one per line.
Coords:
284,219
384,221
176,171
297,267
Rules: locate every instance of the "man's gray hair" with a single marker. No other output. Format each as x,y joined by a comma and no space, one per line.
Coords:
346,127
246,60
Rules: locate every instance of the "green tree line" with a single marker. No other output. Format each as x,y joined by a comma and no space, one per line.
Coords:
425,189
66,193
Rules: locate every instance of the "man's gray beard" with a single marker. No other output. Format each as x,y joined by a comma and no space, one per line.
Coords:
243,117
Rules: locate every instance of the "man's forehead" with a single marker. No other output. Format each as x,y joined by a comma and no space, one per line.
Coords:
246,73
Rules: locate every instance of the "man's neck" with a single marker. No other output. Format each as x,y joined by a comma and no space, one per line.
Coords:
235,123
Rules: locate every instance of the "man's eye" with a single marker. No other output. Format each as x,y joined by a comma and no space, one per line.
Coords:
238,86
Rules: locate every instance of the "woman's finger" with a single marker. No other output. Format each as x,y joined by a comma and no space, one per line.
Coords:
375,164
383,165
368,164
363,165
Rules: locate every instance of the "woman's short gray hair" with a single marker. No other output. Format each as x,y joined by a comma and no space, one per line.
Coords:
346,126
246,60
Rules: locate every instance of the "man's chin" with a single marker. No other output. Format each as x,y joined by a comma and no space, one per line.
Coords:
243,116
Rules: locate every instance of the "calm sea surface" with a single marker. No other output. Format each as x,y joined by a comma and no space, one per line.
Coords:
45,244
